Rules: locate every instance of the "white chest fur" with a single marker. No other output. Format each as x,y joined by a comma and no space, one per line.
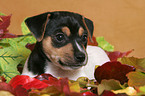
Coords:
96,56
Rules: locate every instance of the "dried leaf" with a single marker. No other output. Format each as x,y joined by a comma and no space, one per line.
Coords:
94,43
136,79
108,85
113,70
139,64
116,54
129,91
5,22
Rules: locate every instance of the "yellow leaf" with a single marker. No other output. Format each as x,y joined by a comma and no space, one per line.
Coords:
45,95
5,93
74,87
128,91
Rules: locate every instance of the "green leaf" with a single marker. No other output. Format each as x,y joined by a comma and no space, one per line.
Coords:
24,28
22,41
139,64
2,14
108,85
18,45
83,81
74,87
136,79
8,63
9,74
142,88
104,44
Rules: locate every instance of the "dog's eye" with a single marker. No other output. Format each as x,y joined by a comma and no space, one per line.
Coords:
84,37
60,37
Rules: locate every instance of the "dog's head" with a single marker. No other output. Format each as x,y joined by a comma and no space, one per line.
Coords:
63,36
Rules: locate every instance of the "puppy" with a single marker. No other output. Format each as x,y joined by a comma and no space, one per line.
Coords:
61,46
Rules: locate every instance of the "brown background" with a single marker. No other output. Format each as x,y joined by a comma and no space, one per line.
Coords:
121,22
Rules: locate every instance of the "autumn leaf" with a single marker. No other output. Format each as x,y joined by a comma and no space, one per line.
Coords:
116,54
94,43
108,93
129,91
27,82
2,14
9,90
104,44
136,79
88,93
30,46
108,85
138,63
25,29
113,70
4,23
8,63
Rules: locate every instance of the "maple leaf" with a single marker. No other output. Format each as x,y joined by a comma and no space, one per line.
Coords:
8,63
2,14
104,44
136,79
108,93
88,93
30,46
108,85
113,70
138,63
7,35
18,91
94,43
116,54
27,82
5,22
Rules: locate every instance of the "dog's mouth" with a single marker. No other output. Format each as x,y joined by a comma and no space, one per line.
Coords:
71,66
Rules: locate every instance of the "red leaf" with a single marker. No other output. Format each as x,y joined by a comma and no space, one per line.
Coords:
7,35
108,93
64,83
113,70
43,77
5,22
52,82
88,94
116,54
6,87
61,85
30,46
2,79
94,43
27,82
18,91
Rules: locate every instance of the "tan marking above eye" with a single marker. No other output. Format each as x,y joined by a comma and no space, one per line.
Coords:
66,30
81,31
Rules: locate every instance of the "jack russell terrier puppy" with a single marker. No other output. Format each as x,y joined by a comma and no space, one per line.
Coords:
61,49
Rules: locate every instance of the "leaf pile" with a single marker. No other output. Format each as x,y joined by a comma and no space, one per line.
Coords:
12,49
121,76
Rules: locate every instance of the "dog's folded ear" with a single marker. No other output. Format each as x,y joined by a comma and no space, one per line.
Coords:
89,27
37,25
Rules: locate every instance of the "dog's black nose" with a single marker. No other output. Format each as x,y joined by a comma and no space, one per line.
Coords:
80,57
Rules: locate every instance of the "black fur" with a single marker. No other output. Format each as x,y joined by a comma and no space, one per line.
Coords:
57,20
